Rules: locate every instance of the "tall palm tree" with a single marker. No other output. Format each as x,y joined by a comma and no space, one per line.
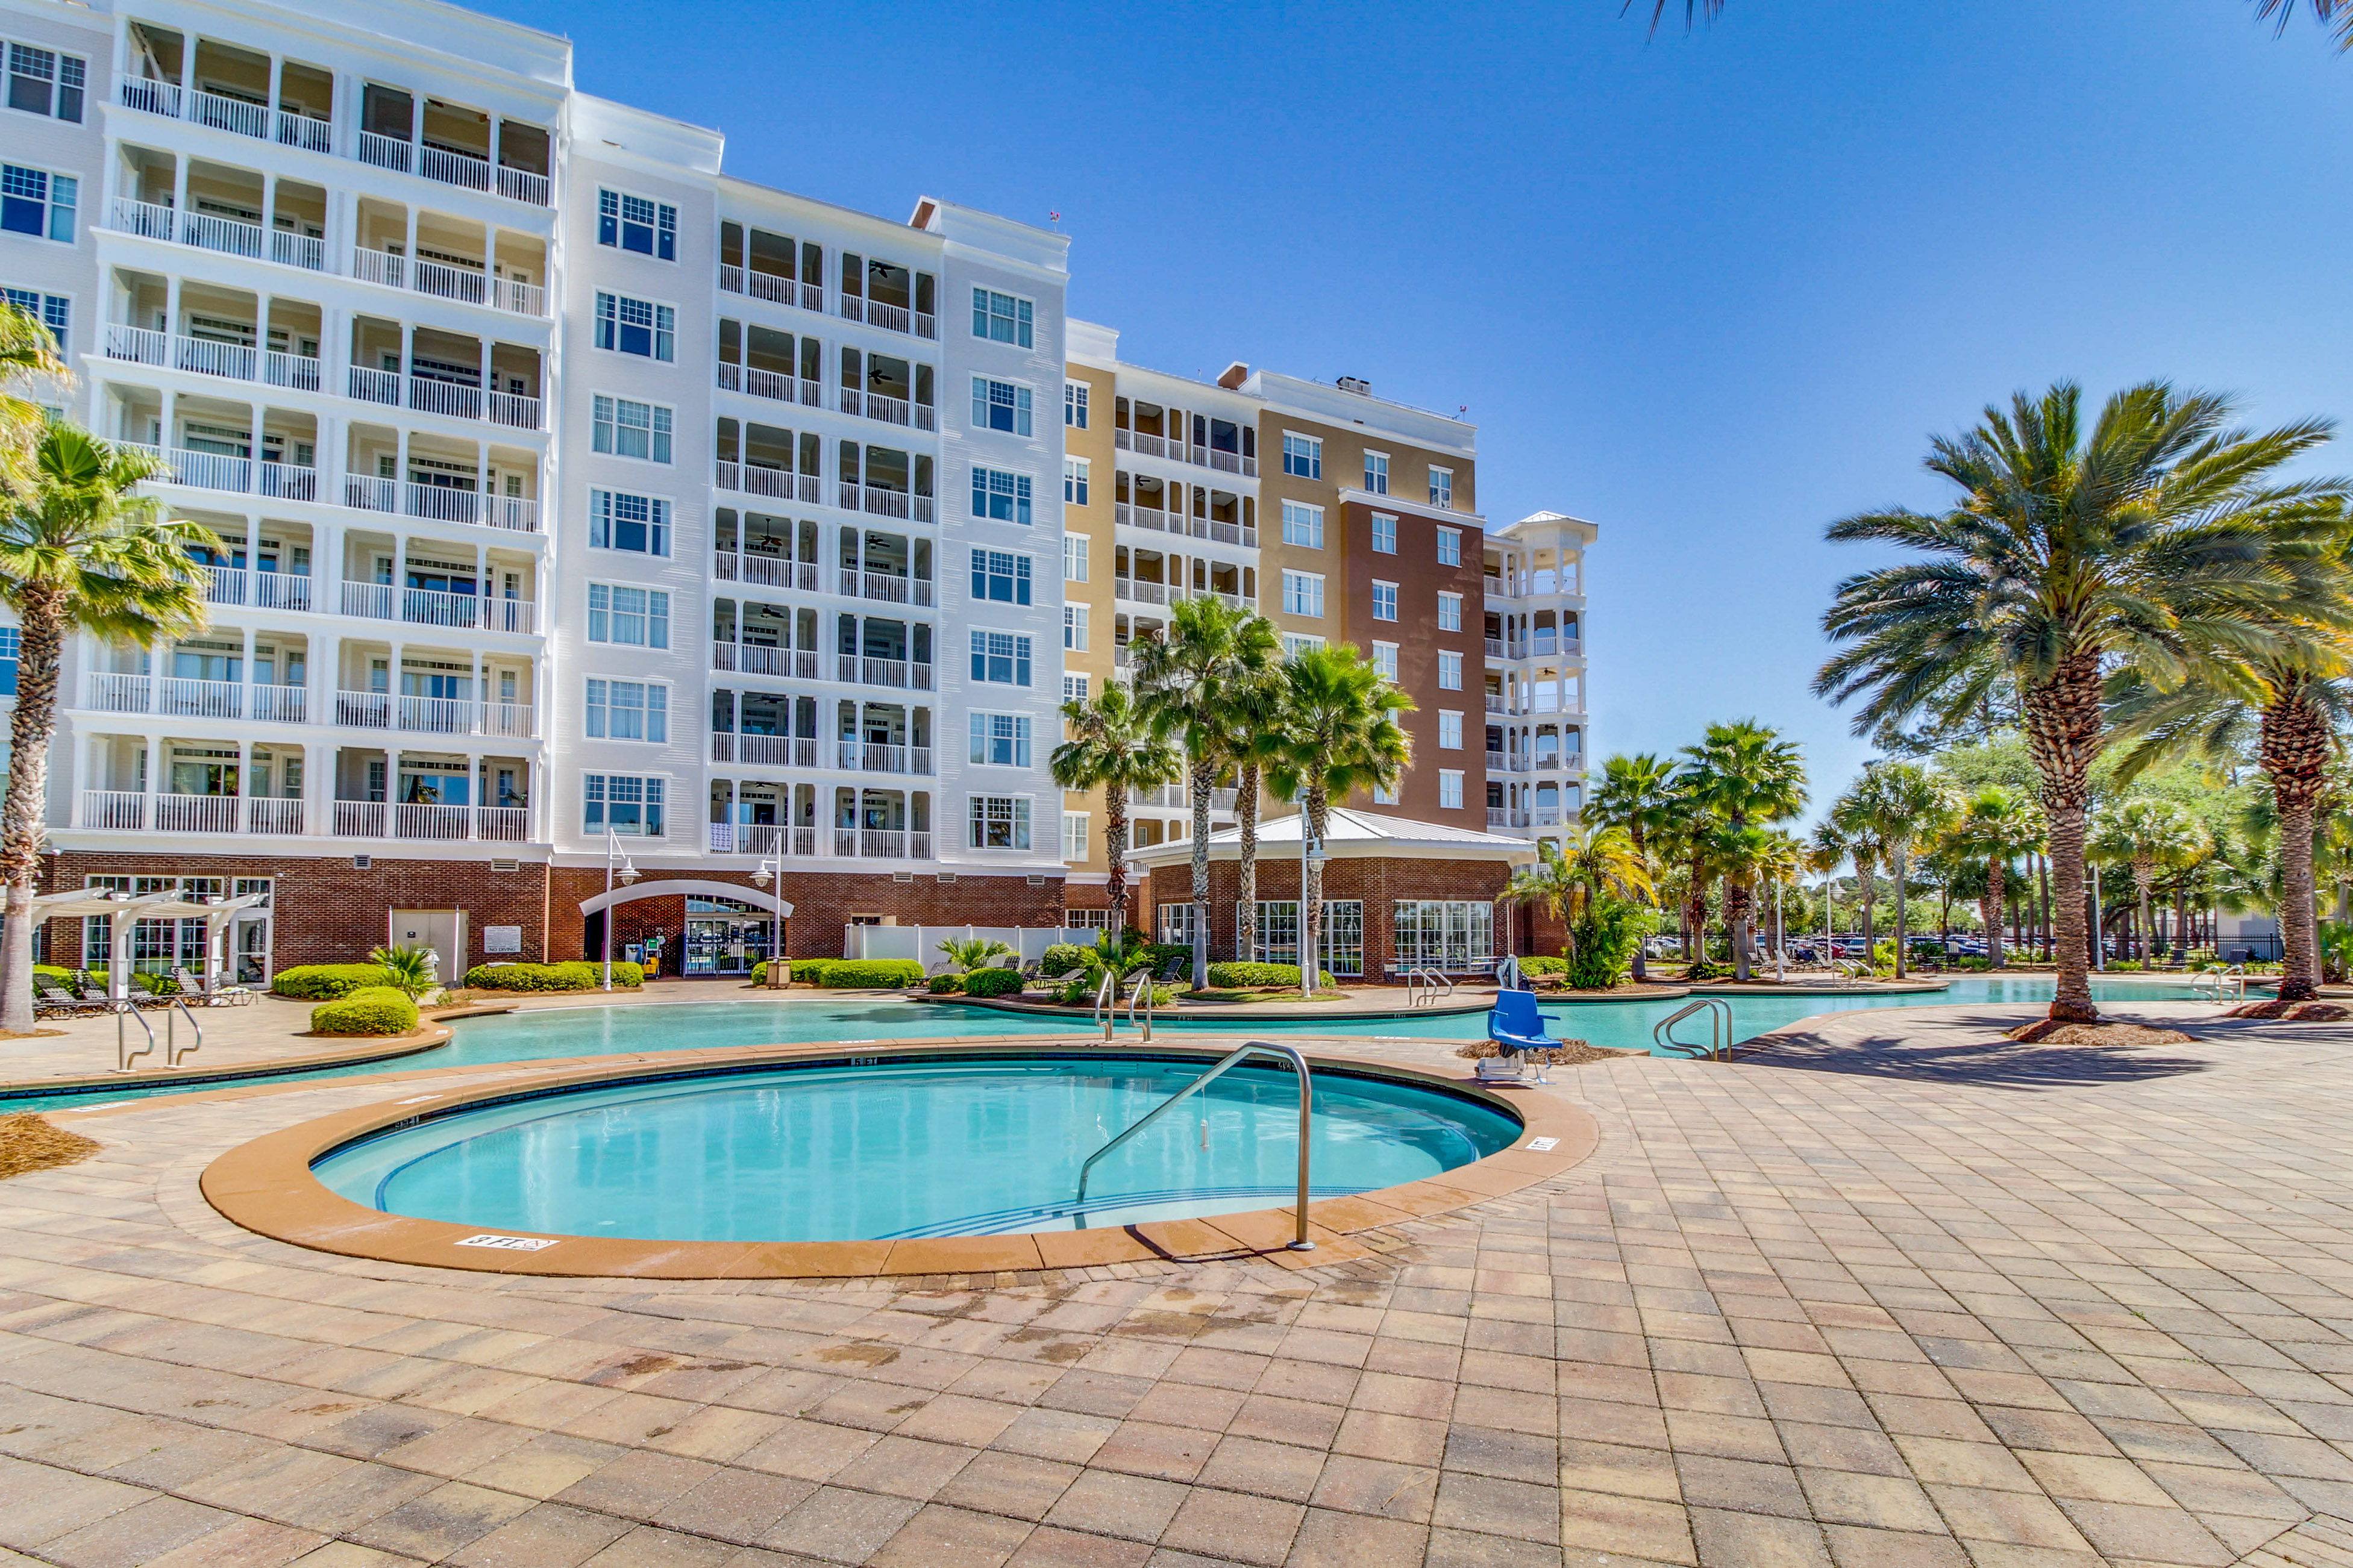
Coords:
1748,776
1337,737
27,353
2149,835
1850,815
1637,793
82,552
1113,748
1826,851
1993,826
1908,806
1594,863
2158,531
1257,707
1191,680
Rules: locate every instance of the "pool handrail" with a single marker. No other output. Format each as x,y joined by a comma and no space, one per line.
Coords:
123,1055
1106,1010
1719,1030
1299,1242
1430,980
1141,996
173,1056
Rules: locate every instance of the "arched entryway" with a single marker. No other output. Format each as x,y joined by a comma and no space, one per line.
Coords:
716,928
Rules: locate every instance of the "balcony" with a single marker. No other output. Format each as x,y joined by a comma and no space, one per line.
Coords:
216,471
453,399
770,384
888,589
433,715
377,819
203,356
126,811
1506,817
231,114
1152,520
877,757
106,692
1515,762
883,502
764,751
778,484
1176,451
809,843
889,317
441,503
432,607
262,590
445,282
773,287
1548,817
881,844
905,674
448,166
230,236
757,658
768,570
889,410
1141,592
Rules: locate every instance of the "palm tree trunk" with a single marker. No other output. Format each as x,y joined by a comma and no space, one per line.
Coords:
2042,871
23,814
1245,881
1736,924
1204,779
2295,753
1641,970
1116,851
1311,896
2142,877
1995,957
2062,735
1901,878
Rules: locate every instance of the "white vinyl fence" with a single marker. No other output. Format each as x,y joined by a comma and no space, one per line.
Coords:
921,943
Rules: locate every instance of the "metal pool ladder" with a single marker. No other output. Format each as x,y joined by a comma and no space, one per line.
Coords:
1141,997
1719,1031
173,1056
1428,981
1299,1242
1107,1003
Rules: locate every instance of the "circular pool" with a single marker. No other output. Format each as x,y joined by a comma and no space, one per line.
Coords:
908,1147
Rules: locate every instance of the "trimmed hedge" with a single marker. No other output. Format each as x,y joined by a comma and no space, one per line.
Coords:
1539,964
1261,976
580,975
994,983
325,982
1060,959
371,1010
946,984
848,974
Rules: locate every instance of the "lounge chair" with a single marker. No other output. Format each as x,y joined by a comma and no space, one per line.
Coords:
222,993
1517,1025
1176,969
140,996
49,997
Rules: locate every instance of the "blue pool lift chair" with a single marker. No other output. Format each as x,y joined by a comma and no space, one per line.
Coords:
1517,1025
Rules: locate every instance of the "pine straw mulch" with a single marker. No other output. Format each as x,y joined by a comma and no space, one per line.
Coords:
28,1142
1568,1053
2052,1032
2293,1011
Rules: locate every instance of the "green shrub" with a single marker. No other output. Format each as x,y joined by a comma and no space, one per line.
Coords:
1604,944
580,975
325,982
1261,976
1539,964
370,1010
2124,966
864,973
994,983
1159,953
1703,973
1060,959
946,984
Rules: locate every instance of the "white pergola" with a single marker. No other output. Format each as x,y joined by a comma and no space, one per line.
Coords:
122,911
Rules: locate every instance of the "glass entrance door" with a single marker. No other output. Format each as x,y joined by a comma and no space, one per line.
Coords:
720,939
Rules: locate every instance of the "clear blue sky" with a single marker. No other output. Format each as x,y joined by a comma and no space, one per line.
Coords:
1709,291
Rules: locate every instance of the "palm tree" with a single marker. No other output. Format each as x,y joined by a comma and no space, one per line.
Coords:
1113,748
1907,805
408,970
1567,882
80,553
967,953
2155,533
2148,836
1826,851
1748,776
1850,816
1637,793
1993,825
27,352
1337,736
1257,706
1192,680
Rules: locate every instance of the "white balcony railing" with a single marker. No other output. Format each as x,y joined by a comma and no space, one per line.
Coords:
306,131
471,285
502,824
108,693
766,571
772,286
758,658
779,483
120,810
273,816
764,751
200,698
364,709
438,715
282,704
442,503
888,587
450,167
154,97
421,820
361,818
196,812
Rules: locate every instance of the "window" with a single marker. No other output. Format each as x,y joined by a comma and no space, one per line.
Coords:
1074,627
1450,672
1302,456
1449,789
1075,472
1384,660
1442,934
633,223
1000,822
1075,558
1074,415
1176,922
1074,689
1074,837
1450,547
629,429
53,311
1449,730
35,202
1384,601
1384,534
1302,594
1376,472
1000,740
999,495
1001,318
636,327
1296,643
635,617
1000,658
40,83
628,711
1001,577
618,520
1450,612
1302,525
620,803
1441,488
1384,795
1001,406
10,641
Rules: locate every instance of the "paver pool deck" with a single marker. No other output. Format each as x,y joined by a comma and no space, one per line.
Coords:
1888,1293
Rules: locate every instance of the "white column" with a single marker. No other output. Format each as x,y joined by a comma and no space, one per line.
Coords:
157,761
240,815
392,777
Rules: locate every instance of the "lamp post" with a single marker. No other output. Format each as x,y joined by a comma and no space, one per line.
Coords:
629,875
776,917
1780,941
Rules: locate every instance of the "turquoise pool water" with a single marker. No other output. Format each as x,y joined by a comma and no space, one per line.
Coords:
894,1149
747,1019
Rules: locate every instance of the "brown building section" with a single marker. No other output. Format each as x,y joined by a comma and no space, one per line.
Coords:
1420,577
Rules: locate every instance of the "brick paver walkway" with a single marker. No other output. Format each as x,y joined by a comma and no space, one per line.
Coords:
1876,1305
